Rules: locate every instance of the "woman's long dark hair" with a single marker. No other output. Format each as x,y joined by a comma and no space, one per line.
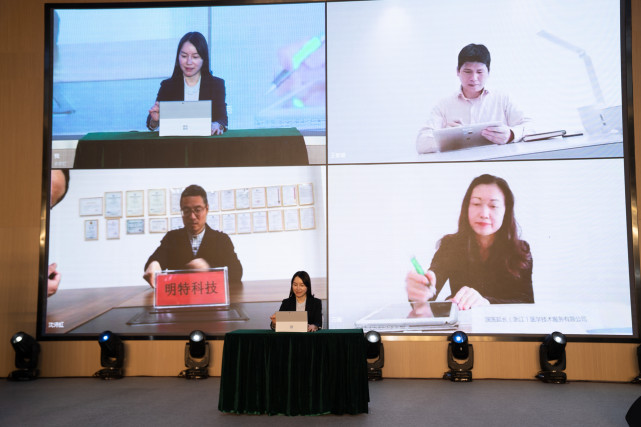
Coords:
302,275
200,43
508,251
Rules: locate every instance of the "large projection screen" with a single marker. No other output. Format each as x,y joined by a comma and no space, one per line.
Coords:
332,162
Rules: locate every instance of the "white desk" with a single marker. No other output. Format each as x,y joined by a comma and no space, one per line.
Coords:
584,146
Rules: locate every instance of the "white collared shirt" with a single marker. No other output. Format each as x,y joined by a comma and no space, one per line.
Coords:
490,106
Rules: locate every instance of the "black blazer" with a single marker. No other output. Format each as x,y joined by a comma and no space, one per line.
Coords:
211,88
313,307
216,248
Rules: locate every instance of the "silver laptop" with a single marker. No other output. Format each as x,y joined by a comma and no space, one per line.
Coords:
459,137
401,317
185,118
291,321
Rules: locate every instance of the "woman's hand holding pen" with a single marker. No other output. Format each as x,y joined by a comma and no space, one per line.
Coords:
420,288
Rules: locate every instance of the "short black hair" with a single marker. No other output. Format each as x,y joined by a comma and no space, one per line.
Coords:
474,53
193,191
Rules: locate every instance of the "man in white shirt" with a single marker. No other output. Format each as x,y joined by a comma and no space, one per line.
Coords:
474,103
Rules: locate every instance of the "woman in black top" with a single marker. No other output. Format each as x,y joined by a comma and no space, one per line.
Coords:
484,261
192,81
301,298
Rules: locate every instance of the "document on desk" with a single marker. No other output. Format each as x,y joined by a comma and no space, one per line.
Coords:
550,148
543,135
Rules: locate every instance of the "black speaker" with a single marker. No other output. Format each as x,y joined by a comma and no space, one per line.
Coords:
633,417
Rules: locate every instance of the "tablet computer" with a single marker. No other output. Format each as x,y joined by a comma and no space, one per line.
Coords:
185,118
402,317
291,321
465,136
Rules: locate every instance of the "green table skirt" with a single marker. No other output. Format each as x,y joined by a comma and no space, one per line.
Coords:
265,372
239,147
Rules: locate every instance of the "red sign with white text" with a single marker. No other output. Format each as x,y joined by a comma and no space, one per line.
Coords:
192,288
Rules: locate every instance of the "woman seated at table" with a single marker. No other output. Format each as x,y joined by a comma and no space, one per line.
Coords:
485,261
301,299
192,81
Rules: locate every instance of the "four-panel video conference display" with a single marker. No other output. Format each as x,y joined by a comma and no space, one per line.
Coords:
398,151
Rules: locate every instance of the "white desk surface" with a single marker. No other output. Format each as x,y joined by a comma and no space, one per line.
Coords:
490,152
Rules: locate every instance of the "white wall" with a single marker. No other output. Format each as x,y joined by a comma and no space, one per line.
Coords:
389,62
273,255
572,213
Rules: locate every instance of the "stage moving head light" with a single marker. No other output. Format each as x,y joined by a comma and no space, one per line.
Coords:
460,345
27,351
112,356
196,356
112,351
459,349
373,344
552,358
197,344
375,354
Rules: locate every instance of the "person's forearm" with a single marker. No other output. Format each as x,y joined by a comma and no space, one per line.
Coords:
150,272
425,143
514,292
235,269
520,125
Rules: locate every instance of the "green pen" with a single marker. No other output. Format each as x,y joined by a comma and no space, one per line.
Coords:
417,266
419,270
299,57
